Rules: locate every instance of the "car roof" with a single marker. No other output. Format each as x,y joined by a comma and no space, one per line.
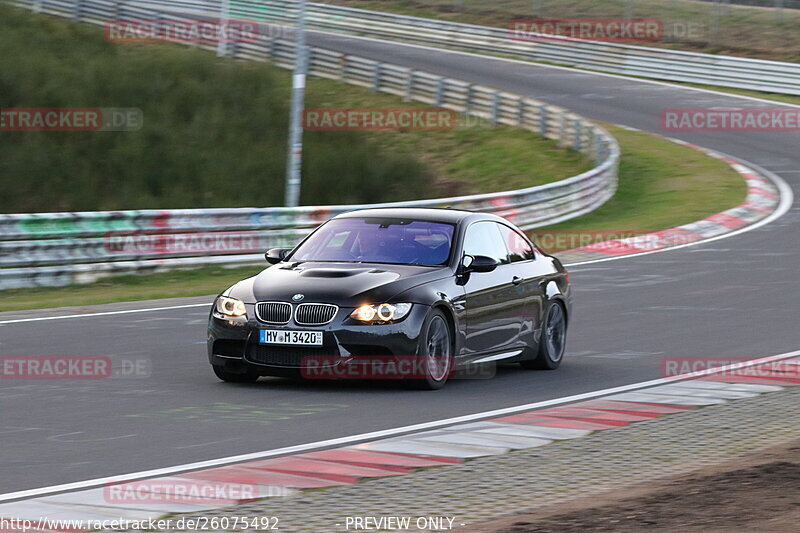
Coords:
449,216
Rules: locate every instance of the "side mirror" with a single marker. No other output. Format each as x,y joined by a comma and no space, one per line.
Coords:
276,255
478,263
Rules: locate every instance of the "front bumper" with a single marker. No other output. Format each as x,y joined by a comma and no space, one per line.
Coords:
235,345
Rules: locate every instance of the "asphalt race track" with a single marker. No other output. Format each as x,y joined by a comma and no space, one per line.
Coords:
732,298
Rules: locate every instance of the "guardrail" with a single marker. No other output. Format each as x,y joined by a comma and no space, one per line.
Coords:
646,62
59,248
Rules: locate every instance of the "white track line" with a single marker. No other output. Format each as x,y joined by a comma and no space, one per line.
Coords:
353,439
104,313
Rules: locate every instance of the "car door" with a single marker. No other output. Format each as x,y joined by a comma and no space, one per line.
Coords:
529,277
491,319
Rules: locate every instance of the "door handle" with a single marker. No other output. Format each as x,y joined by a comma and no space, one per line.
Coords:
516,280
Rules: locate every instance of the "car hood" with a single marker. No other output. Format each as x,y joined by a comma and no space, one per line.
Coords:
343,284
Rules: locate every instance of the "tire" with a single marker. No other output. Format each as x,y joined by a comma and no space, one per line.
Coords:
553,340
436,347
248,376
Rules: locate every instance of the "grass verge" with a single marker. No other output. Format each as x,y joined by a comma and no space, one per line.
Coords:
662,185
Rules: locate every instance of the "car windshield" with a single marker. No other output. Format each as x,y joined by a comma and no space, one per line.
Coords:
379,240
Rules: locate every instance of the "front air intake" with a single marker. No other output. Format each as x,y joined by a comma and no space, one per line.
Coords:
274,312
315,314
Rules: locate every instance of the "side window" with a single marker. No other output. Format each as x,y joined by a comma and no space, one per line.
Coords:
518,247
483,238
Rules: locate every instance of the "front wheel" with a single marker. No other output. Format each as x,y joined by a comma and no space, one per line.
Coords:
552,341
436,353
248,376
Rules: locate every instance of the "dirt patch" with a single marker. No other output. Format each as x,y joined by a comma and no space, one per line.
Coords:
758,492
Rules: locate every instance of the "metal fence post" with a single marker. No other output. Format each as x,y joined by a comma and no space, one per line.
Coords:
222,43
409,86
343,67
543,120
76,10
495,107
269,48
439,92
468,102
521,112
310,58
598,147
376,77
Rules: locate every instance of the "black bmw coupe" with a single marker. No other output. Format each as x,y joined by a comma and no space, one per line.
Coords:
413,294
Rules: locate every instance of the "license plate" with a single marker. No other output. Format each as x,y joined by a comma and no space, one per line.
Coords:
295,338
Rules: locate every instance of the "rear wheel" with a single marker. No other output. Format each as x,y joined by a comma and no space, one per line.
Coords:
246,376
435,352
553,340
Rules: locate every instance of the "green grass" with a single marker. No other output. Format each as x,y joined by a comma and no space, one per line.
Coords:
662,185
215,133
743,31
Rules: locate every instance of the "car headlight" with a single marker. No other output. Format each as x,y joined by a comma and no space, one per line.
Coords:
380,313
230,307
